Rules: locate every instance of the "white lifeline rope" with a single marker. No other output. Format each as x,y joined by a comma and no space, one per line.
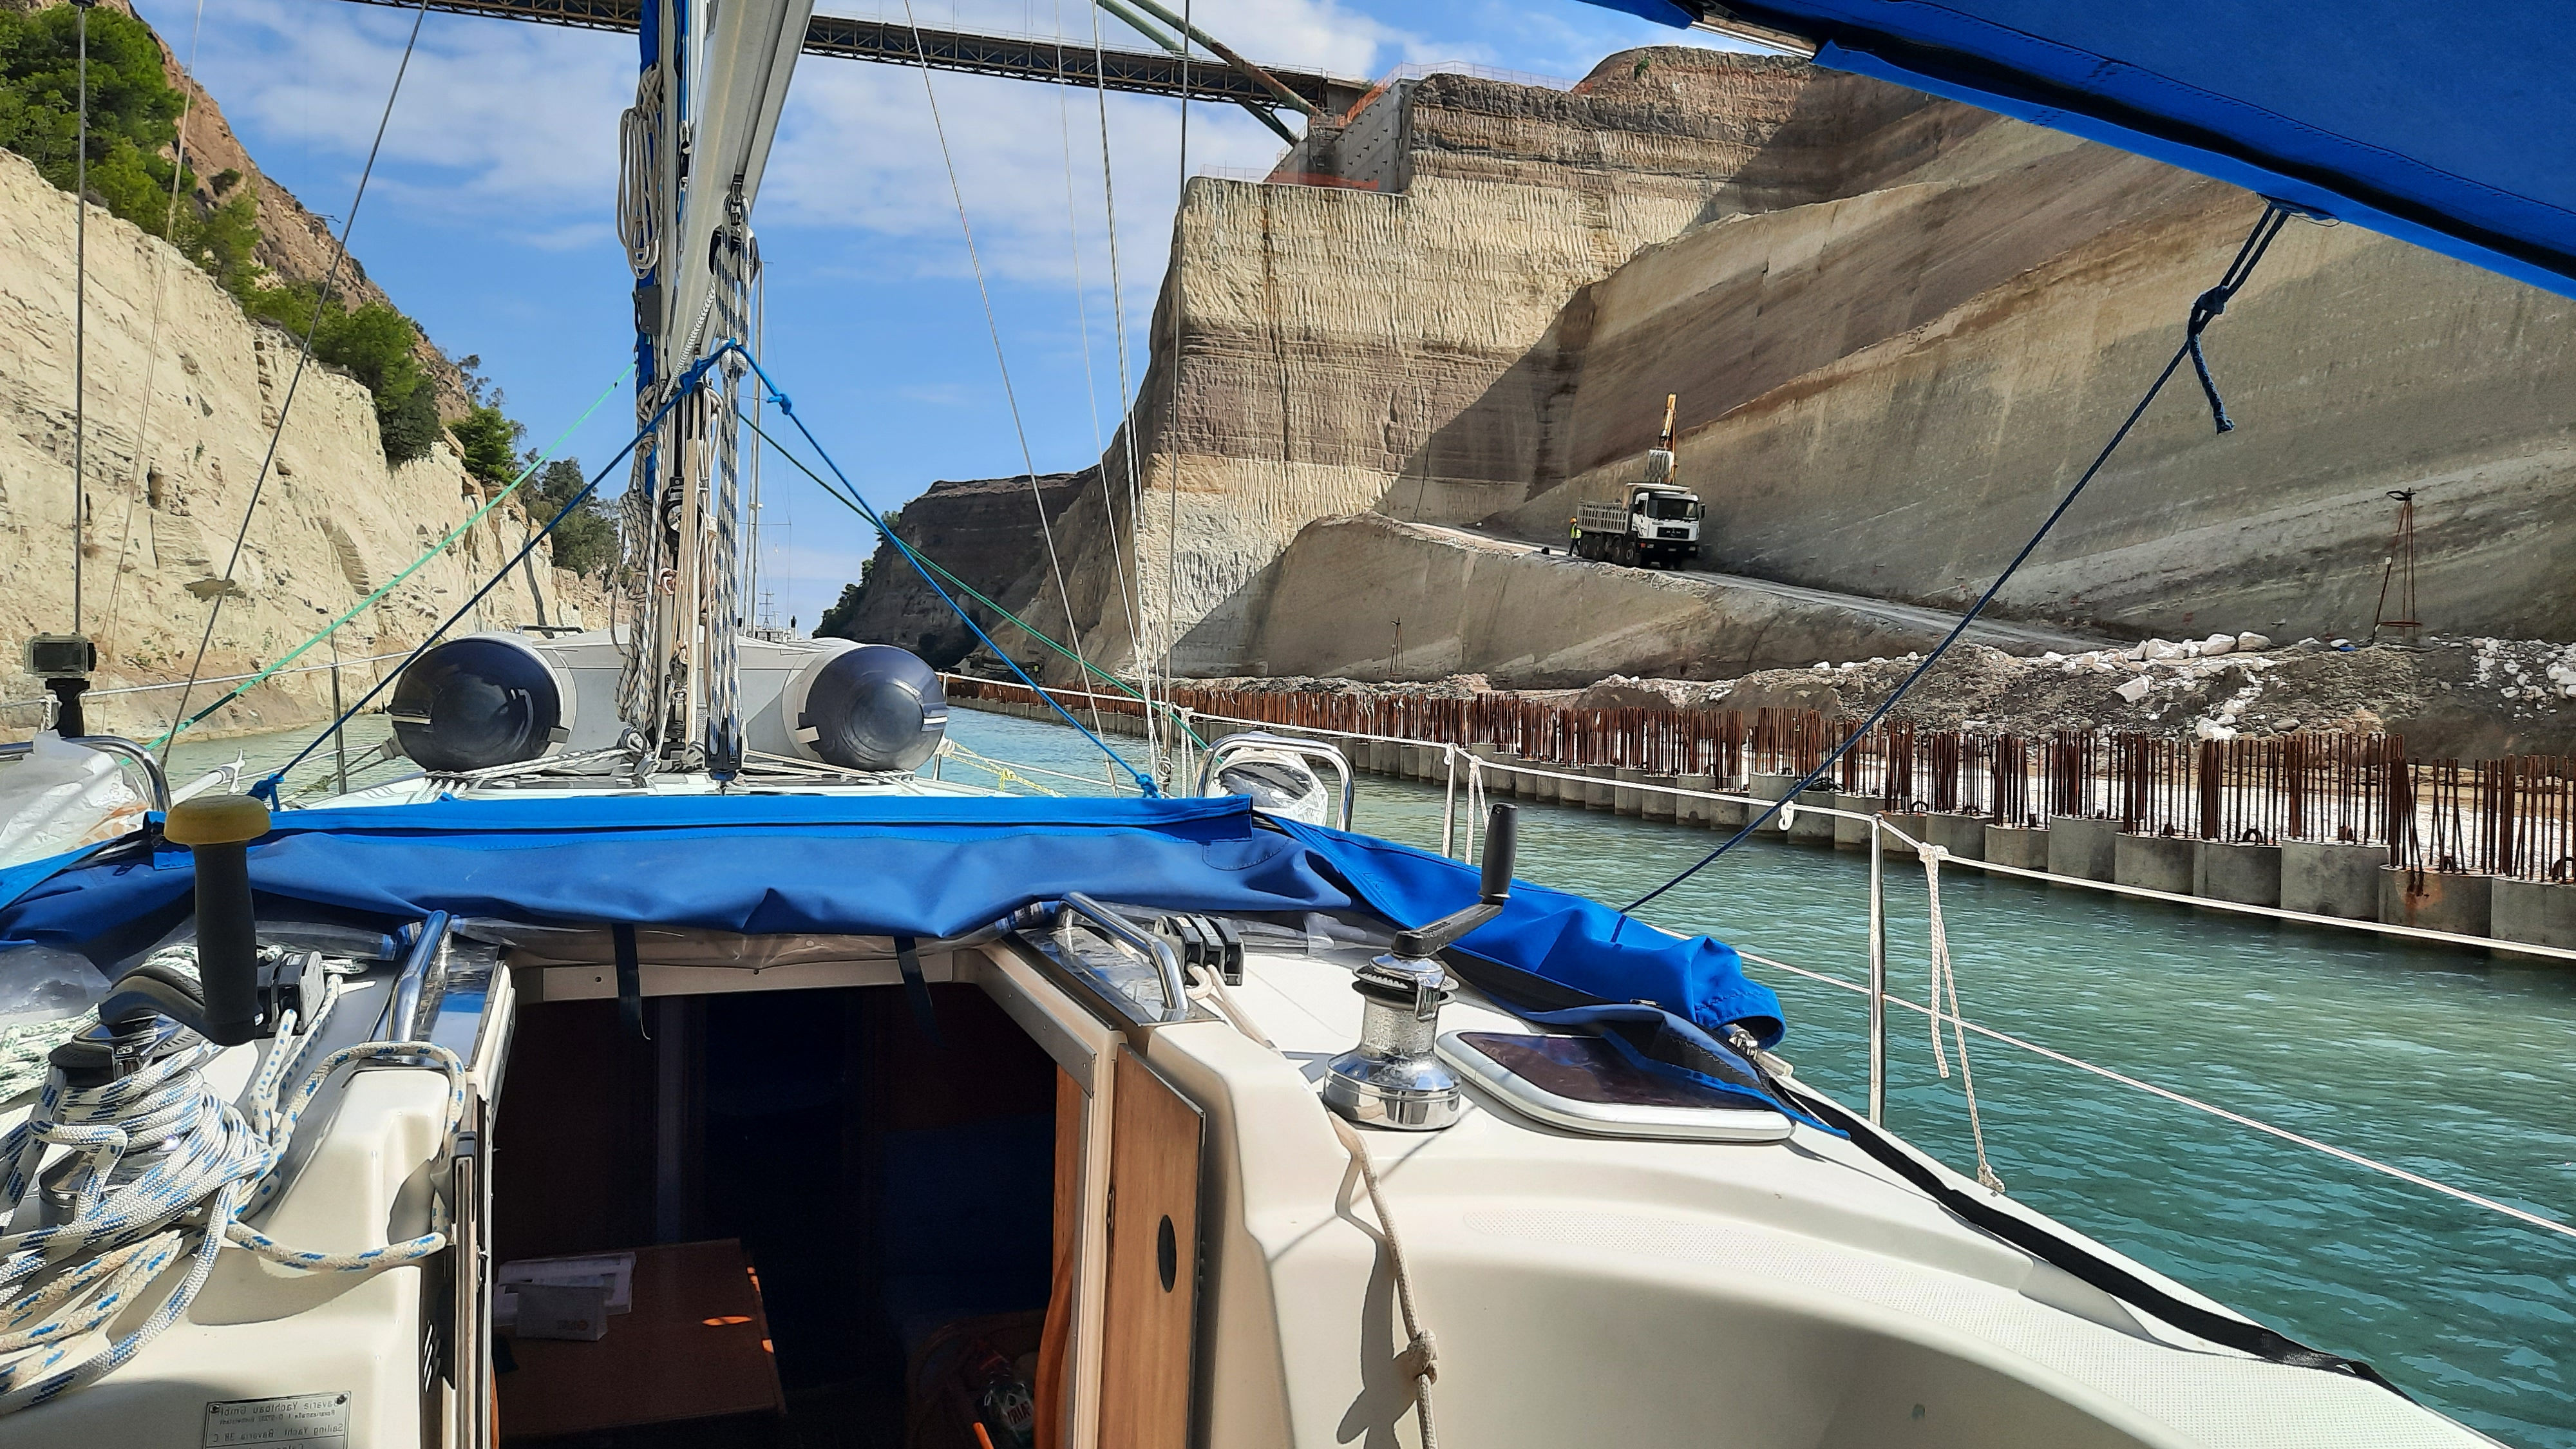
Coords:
1945,982
1420,1361
172,1167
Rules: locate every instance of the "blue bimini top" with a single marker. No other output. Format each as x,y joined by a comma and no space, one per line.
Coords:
874,866
2445,123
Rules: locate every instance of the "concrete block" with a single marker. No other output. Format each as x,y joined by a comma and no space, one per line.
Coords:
2155,862
1767,787
1600,792
1962,835
2538,912
1853,834
1729,815
2018,845
1813,826
2435,900
1624,800
2081,847
1914,823
1654,804
1688,811
2324,878
2248,873
1543,788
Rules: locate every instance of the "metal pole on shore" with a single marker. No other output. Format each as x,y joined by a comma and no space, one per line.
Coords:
1877,978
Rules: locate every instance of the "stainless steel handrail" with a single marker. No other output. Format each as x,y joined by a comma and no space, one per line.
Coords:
469,1344
1263,739
402,1018
1167,965
117,745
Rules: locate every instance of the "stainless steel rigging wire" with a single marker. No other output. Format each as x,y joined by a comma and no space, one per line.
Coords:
140,476
285,407
1046,529
1128,407
80,305
1082,325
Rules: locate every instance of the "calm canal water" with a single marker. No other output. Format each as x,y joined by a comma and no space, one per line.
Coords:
2453,1066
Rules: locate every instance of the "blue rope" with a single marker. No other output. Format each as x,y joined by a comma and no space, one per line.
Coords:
787,407
267,787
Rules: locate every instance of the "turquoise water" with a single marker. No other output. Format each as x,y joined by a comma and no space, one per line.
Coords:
2449,1065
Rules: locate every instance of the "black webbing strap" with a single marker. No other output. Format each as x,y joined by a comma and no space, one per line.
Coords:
630,982
916,988
2219,1328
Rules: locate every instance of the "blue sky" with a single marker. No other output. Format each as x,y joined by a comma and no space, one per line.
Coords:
488,218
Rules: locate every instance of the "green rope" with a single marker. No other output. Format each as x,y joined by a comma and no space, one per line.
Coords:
391,584
862,509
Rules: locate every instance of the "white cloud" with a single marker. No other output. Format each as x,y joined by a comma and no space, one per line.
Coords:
495,117
518,123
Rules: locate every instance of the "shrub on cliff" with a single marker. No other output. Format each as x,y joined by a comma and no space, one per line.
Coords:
837,620
490,441
132,132
586,540
131,107
375,344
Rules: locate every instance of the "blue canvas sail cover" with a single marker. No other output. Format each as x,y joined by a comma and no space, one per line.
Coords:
875,866
2449,125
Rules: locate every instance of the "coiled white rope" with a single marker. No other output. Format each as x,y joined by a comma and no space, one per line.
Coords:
639,176
25,1047
1945,983
171,1170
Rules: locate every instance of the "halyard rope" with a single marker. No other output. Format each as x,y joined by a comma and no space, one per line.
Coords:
1420,1360
172,1168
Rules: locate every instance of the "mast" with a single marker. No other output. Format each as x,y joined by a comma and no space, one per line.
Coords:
713,78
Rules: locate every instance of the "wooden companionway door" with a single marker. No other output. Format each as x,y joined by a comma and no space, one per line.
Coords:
1152,1308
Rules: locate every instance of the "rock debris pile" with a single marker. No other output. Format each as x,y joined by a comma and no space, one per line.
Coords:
2468,698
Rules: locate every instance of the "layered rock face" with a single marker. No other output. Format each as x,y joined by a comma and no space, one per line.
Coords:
1344,348
1885,395
183,393
1899,328
984,531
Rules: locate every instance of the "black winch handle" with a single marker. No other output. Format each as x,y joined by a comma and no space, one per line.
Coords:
218,830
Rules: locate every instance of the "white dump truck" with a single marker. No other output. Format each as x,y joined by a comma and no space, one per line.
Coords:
1654,524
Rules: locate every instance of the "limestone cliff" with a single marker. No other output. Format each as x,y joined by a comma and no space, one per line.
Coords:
183,393
1884,395
984,531
1898,326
